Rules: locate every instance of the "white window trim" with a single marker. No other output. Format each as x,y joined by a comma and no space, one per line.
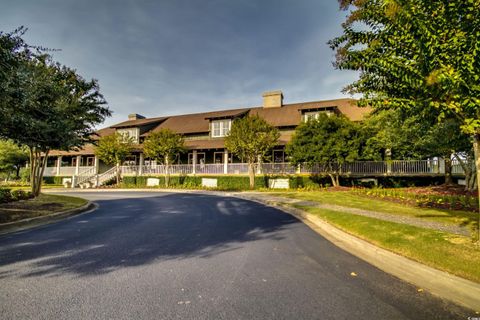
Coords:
222,130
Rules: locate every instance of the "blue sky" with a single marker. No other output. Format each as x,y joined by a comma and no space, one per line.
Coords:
181,56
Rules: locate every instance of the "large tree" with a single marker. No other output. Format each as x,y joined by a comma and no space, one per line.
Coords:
250,138
12,157
416,55
50,107
328,141
113,150
164,146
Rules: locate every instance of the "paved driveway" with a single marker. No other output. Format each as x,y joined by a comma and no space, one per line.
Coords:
193,256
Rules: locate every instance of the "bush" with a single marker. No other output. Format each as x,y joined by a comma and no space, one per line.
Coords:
17,195
5,195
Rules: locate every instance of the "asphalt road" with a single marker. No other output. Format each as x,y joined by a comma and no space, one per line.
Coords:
187,256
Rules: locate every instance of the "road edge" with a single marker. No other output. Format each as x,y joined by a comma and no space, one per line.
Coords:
26,224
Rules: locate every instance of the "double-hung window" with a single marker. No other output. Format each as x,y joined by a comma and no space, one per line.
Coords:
221,128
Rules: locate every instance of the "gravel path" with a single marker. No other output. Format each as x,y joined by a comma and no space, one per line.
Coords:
417,222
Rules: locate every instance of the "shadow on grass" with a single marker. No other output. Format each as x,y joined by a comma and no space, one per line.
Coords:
134,232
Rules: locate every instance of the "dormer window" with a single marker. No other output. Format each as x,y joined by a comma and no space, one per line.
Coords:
314,115
133,133
221,128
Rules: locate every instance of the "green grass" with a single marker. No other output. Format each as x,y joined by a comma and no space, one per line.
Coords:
352,200
44,204
455,254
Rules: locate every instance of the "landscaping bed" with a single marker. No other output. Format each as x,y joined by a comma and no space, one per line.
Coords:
43,205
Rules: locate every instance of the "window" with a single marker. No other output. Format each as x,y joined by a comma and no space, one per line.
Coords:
220,128
313,115
131,133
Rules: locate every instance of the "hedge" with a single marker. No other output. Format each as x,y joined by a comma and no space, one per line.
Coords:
226,182
54,180
9,195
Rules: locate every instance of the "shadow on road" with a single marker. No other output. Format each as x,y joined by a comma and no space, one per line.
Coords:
133,232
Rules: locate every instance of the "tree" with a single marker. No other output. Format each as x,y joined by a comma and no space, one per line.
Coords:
12,157
49,107
330,141
406,136
416,55
164,146
250,138
113,150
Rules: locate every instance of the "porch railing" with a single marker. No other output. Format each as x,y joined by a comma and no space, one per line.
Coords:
356,168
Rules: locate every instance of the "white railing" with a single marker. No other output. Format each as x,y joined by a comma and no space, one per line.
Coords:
356,168
209,168
237,168
50,172
278,168
86,175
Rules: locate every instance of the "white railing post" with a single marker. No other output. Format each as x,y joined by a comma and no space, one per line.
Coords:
77,165
59,164
194,162
97,165
142,160
225,161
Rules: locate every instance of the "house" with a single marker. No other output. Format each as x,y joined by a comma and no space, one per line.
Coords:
204,133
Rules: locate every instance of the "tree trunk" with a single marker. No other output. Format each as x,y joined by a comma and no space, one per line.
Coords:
448,170
476,151
251,174
334,179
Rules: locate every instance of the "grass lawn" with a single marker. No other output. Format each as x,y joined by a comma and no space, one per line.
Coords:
350,199
44,204
455,254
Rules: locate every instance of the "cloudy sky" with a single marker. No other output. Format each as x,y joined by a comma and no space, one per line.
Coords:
169,57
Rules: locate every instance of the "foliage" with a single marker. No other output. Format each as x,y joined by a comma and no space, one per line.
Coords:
49,106
329,140
251,138
114,149
12,157
453,202
9,195
164,146
416,55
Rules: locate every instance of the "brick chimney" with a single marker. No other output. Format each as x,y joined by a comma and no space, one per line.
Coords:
272,99
135,116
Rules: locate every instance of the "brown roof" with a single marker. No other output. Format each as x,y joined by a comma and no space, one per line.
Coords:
138,122
289,115
205,144
196,122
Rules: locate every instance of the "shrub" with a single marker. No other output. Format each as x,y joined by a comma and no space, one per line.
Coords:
17,195
5,195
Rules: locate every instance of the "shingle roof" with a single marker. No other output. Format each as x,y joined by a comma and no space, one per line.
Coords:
138,122
289,115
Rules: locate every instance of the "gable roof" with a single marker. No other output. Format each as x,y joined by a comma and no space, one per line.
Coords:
289,115
138,122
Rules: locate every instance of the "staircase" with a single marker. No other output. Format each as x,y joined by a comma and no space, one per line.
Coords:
93,180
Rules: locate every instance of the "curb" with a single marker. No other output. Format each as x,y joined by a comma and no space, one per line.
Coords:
25,224
442,284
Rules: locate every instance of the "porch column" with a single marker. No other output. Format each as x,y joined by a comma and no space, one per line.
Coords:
194,160
225,161
142,161
97,165
59,164
77,165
